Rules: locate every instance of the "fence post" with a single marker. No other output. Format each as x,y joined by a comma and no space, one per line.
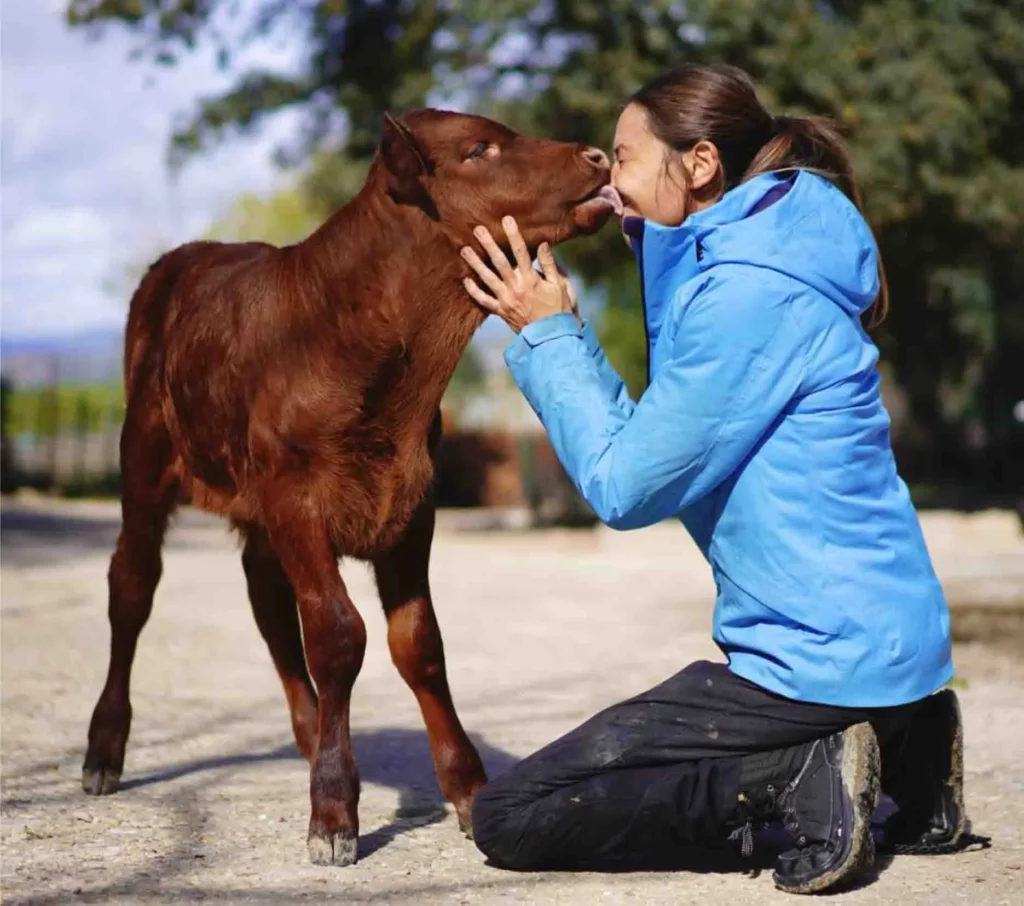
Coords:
80,468
113,420
48,422
8,467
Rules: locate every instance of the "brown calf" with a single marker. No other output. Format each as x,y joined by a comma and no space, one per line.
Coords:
296,391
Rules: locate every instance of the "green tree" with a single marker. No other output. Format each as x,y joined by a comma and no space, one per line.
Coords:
930,93
285,217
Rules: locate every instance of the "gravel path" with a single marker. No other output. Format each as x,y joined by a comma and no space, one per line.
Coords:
541,630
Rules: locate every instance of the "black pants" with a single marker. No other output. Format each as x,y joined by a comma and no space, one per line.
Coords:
650,774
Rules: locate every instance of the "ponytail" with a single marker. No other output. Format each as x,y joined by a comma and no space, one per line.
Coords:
812,143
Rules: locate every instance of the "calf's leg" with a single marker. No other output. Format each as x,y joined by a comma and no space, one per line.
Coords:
417,651
148,496
273,605
334,638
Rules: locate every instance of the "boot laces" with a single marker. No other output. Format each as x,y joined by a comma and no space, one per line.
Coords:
769,807
762,813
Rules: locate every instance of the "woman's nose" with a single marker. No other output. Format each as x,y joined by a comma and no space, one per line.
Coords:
597,157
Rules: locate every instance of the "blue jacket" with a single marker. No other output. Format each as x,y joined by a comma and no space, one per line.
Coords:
763,430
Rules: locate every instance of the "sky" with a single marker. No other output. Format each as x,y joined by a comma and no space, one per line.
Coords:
86,191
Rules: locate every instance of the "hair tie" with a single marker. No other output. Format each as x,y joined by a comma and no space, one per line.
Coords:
778,125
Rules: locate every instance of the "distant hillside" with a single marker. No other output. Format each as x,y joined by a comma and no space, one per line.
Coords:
92,357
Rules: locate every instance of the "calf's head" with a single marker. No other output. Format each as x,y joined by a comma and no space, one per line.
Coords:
465,170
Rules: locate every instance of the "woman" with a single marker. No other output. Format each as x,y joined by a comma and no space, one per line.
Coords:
763,430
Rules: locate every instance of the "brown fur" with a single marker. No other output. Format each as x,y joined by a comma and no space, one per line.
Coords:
295,391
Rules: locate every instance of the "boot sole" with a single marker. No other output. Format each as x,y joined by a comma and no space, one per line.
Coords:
956,770
861,772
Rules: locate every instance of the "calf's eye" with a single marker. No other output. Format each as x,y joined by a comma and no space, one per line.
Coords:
478,150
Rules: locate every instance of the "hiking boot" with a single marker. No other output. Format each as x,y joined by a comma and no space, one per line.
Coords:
824,792
923,773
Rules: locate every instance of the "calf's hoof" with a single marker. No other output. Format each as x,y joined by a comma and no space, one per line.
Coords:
100,781
338,848
104,754
464,810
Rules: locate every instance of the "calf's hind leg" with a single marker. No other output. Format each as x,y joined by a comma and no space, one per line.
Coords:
414,639
148,497
334,638
273,605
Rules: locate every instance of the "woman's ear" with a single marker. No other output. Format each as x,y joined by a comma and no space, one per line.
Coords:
705,167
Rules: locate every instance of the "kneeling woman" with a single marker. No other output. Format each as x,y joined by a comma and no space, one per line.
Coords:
763,430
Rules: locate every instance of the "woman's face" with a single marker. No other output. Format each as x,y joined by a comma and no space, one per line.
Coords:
656,182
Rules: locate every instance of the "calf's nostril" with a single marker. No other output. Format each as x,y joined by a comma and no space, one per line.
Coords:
597,157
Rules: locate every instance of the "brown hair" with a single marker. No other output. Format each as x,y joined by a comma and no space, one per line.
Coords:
719,104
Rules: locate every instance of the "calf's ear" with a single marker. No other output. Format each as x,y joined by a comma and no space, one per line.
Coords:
403,156
405,162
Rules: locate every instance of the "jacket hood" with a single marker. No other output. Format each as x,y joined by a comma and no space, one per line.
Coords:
797,224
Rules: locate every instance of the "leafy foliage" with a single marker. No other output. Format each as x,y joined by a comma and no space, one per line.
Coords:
285,217
929,92
65,409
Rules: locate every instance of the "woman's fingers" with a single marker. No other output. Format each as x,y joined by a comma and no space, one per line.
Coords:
520,296
553,272
518,245
547,263
485,301
573,301
488,276
496,255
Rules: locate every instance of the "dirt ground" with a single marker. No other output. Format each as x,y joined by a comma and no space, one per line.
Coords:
541,630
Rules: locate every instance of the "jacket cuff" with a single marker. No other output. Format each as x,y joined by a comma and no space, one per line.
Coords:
564,324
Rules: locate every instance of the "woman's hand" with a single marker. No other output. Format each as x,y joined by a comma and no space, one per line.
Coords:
521,296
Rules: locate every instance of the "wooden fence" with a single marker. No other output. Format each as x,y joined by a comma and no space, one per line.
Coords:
61,437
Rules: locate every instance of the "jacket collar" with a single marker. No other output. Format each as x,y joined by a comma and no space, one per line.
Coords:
669,256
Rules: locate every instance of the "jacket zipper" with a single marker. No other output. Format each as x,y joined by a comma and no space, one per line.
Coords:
643,308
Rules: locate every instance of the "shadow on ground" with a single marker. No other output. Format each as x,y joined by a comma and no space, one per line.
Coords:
398,758
394,757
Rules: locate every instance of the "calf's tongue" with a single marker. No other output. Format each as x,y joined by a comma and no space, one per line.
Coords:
609,194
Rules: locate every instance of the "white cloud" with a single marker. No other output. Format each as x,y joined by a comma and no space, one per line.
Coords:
86,191
50,229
